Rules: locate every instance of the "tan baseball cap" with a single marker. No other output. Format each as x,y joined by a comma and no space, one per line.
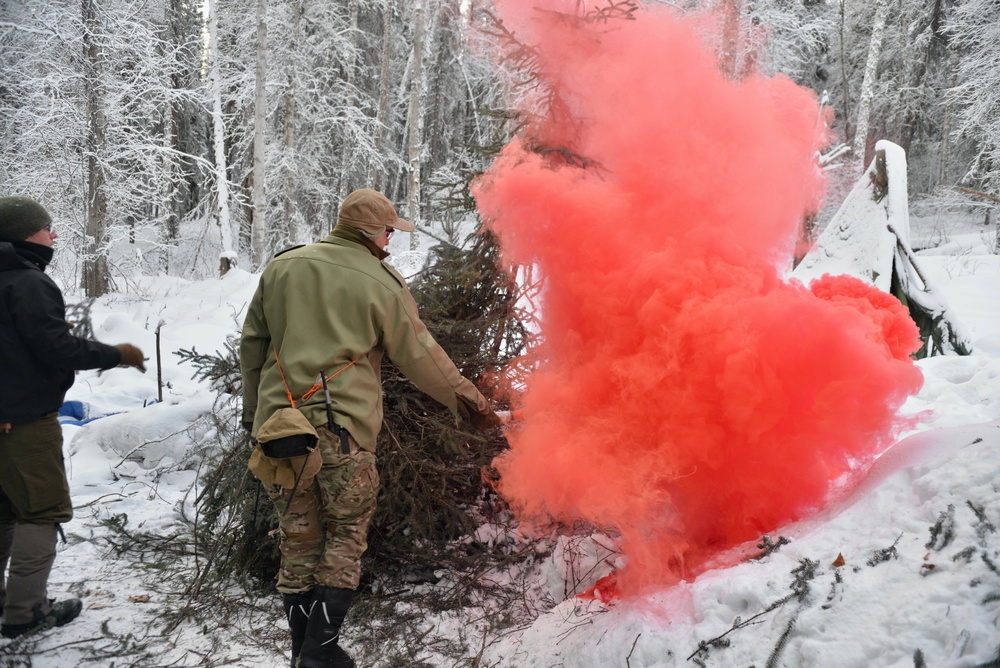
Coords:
370,211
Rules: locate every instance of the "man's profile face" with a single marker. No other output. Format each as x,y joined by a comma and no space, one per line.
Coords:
382,240
44,237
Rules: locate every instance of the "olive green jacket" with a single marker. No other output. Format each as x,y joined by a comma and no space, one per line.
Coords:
334,306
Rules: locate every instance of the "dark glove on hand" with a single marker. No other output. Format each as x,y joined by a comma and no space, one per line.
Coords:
479,421
486,421
131,356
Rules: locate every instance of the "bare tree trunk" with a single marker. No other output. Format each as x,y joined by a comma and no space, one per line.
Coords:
95,264
171,175
845,82
942,176
346,171
860,144
290,120
445,45
375,174
735,60
413,119
258,234
228,257
912,102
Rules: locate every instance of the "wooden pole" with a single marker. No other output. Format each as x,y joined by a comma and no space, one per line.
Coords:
159,365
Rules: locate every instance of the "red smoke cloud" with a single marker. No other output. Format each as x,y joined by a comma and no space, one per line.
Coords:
688,398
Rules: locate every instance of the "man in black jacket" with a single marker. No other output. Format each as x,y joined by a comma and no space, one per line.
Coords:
38,358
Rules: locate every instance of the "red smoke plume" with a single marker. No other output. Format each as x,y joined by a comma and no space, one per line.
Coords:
688,397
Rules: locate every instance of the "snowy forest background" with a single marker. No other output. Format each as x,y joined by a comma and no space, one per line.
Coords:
171,140
165,134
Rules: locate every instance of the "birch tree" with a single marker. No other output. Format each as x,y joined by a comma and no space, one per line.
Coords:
222,213
95,265
169,123
375,175
414,118
259,230
350,68
866,97
288,173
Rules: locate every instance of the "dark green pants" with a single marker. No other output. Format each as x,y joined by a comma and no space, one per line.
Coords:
33,485
34,498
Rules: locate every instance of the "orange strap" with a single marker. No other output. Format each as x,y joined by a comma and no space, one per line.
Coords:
316,386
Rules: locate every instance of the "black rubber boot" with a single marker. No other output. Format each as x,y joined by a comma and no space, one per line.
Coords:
297,614
320,648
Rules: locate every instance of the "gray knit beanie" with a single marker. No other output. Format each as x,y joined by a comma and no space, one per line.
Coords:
20,217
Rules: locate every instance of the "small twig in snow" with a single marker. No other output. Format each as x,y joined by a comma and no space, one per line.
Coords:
628,659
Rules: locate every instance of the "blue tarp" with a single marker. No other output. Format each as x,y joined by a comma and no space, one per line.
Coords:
79,413
76,412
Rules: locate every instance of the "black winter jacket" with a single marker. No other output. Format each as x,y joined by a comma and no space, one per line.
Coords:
38,355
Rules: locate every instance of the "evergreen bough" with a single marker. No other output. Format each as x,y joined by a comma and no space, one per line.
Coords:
430,468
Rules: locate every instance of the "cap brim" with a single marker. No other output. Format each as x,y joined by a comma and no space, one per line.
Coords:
403,225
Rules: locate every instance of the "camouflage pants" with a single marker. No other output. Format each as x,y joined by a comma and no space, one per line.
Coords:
325,530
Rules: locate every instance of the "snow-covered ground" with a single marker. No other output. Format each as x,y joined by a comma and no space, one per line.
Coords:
904,570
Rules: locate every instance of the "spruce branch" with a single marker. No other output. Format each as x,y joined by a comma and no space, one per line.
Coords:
78,317
221,368
768,547
885,554
989,563
965,555
943,531
804,573
983,525
838,581
772,661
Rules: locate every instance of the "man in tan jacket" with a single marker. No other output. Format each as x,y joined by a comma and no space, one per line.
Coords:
320,321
